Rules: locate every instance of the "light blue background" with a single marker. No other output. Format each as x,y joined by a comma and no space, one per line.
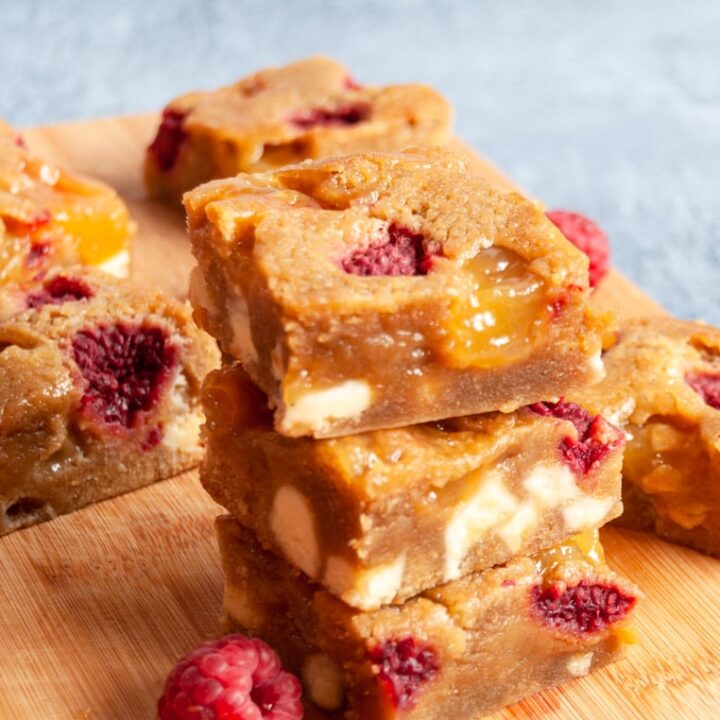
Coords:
608,107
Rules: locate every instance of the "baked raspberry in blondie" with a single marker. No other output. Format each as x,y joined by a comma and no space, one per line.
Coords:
50,217
99,392
663,388
381,516
461,650
308,109
385,290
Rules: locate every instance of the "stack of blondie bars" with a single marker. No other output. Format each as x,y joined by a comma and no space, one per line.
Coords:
413,507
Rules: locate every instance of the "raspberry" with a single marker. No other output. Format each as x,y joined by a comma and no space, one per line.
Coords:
234,678
585,608
350,83
403,666
170,136
403,253
349,114
585,235
123,367
59,290
707,386
596,437
38,252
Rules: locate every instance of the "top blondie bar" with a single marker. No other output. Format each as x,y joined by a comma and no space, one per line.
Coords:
51,218
383,290
308,109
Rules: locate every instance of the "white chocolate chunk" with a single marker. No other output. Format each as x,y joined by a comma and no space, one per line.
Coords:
367,589
323,680
586,512
242,345
117,265
312,411
579,665
490,506
515,529
183,433
292,521
552,485
238,606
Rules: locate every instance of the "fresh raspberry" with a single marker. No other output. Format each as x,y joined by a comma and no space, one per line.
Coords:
585,235
596,437
59,290
349,114
403,667
584,608
171,134
124,367
707,386
402,253
234,678
350,83
19,140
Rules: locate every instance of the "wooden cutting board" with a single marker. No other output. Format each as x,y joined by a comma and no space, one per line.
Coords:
96,607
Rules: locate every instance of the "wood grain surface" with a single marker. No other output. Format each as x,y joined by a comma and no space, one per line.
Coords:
97,606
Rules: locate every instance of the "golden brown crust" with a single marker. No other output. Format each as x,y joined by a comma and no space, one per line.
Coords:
54,456
500,318
389,513
249,126
672,462
489,647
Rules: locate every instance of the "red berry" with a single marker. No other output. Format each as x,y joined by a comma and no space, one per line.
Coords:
707,386
171,134
402,253
234,678
59,290
349,114
403,667
38,252
585,235
124,367
596,437
584,608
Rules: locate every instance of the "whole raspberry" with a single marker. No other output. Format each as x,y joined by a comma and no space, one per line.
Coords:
403,667
403,252
349,114
585,235
59,290
171,134
707,386
596,437
234,678
587,607
124,367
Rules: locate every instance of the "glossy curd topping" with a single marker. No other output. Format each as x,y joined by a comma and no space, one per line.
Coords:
50,216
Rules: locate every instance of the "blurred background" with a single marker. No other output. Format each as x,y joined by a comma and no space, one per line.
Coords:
610,108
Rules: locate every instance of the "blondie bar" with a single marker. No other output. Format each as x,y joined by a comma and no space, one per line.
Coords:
663,389
308,109
384,290
380,516
50,217
99,392
460,650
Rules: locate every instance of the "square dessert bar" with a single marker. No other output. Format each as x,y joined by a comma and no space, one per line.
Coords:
663,388
50,217
381,516
308,109
99,392
458,651
384,290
